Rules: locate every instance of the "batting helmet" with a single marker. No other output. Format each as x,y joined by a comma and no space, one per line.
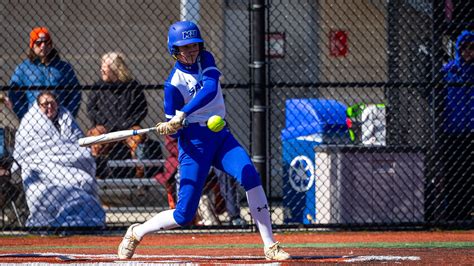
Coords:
183,33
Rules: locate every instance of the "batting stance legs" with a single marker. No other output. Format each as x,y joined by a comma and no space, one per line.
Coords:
199,149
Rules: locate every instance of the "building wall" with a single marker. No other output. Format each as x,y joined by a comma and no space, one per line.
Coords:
365,25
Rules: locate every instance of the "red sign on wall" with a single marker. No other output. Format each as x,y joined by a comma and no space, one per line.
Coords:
338,46
276,44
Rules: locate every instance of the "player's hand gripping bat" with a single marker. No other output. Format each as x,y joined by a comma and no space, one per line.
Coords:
171,127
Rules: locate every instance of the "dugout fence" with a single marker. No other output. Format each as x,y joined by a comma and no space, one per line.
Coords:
342,105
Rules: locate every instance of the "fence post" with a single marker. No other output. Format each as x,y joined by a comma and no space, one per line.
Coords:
258,89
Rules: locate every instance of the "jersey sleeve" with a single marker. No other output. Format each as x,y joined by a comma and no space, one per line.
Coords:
173,100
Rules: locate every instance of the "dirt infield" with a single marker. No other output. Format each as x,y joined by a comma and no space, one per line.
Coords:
408,248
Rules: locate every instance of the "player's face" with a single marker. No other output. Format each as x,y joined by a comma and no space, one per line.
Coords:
187,54
48,106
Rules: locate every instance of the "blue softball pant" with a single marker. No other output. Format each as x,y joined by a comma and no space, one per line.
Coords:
199,149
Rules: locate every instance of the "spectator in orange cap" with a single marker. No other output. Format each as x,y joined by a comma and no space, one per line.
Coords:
43,67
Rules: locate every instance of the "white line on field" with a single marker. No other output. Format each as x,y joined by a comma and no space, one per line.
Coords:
180,259
381,258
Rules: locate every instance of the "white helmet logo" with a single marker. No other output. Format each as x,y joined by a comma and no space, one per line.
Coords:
189,34
301,173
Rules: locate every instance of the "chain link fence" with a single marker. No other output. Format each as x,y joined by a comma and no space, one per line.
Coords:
366,124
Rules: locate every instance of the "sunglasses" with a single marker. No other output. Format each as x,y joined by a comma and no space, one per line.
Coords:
39,42
47,103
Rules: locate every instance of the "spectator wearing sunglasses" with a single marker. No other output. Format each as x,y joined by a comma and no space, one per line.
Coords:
58,175
43,67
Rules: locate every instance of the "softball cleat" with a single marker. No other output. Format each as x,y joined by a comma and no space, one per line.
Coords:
129,244
275,252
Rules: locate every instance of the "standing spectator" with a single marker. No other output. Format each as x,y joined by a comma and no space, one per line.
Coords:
459,105
455,182
43,67
58,175
119,105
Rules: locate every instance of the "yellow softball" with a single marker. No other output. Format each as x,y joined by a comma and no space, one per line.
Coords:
215,123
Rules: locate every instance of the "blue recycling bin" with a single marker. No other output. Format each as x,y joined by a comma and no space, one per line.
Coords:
308,123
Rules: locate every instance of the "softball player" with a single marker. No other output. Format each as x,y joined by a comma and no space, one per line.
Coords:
193,92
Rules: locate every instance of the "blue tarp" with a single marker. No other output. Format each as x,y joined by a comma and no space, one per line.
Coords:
306,117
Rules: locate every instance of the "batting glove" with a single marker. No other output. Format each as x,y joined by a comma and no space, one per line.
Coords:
165,128
177,120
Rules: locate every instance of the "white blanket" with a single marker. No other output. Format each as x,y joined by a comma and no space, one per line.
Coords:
58,175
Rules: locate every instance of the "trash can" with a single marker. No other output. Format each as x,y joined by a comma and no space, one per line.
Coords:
308,123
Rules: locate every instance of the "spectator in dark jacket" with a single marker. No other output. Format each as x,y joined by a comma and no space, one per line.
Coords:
119,105
43,67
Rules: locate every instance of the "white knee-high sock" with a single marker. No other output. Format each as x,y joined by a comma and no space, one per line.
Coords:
260,212
162,221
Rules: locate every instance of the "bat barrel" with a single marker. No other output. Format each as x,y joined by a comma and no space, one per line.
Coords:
112,136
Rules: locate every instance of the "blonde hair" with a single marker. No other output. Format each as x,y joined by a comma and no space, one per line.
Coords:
116,62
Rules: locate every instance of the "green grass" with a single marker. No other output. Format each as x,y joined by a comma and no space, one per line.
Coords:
454,245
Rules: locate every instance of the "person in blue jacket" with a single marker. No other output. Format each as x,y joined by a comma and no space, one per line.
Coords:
453,181
459,105
193,94
43,67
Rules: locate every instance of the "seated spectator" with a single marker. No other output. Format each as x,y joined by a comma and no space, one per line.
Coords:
118,105
58,175
9,191
10,181
43,67
8,119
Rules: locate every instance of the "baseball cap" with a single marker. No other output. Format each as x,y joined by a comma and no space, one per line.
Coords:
39,33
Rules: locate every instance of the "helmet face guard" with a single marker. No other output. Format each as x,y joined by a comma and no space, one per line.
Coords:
183,33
